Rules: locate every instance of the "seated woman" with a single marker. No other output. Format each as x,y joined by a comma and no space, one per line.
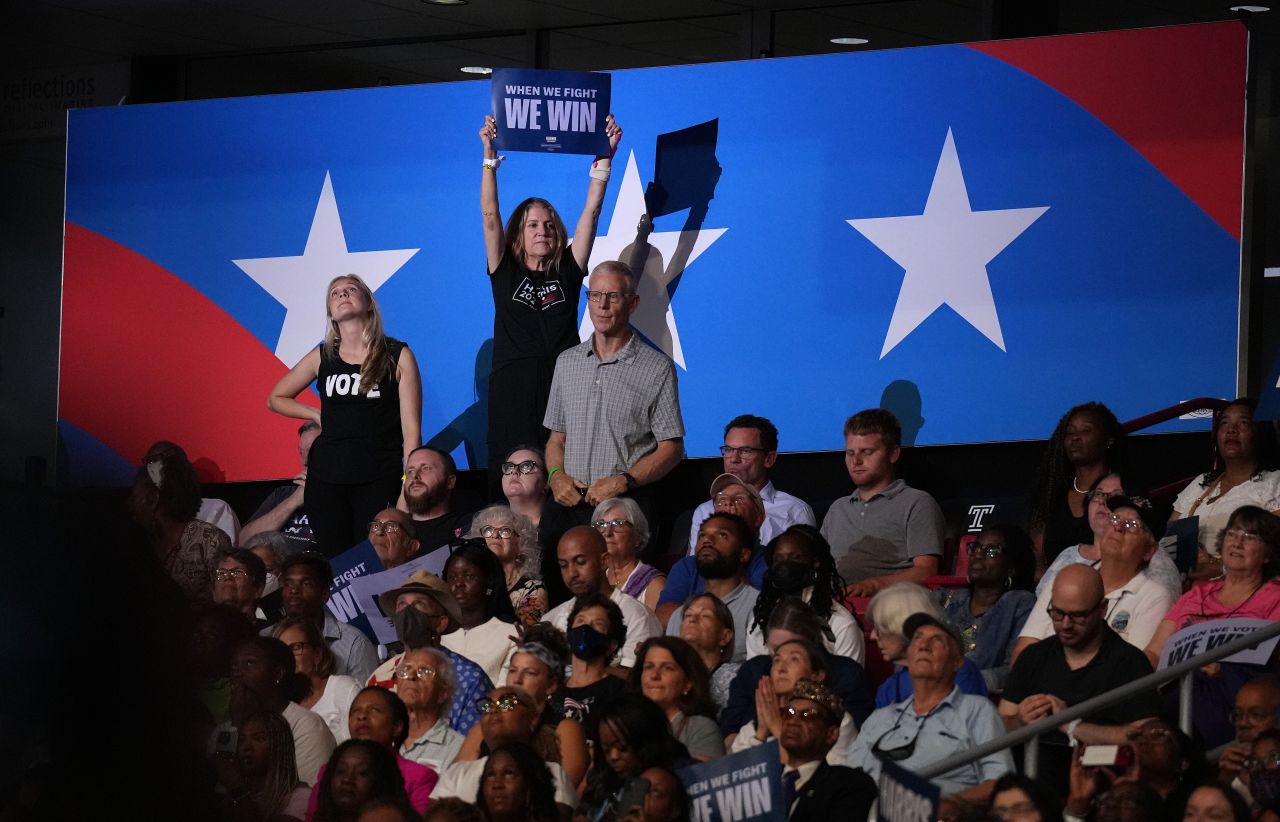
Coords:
1261,777
484,635
537,668
330,694
216,633
524,484
1160,568
793,661
378,715
626,532
887,612
632,735
425,682
268,789
800,564
507,715
513,539
669,671
239,577
665,801
358,771
516,786
1250,550
1241,472
707,625
1211,802
596,633
992,610
1168,761
1018,798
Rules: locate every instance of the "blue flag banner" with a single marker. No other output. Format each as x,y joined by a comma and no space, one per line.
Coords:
948,246
905,797
349,566
554,111
738,787
364,592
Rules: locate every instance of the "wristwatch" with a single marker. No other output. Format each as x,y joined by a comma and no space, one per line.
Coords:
631,481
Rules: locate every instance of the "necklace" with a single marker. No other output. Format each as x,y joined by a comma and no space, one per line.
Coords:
1075,485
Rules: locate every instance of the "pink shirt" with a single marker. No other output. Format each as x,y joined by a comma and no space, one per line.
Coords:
1201,603
419,782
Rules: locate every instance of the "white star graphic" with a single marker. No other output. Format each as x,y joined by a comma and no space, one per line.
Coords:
945,252
651,259
298,283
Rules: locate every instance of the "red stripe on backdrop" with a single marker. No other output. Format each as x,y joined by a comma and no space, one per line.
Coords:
1161,90
126,320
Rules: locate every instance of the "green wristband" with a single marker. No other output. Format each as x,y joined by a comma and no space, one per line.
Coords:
552,473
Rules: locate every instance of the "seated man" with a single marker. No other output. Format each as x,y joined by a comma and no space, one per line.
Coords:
304,588
1084,658
886,532
1257,710
1135,601
581,554
731,495
750,450
429,479
393,537
937,720
282,509
812,788
425,682
725,548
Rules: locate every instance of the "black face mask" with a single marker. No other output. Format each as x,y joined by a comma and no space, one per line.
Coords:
587,643
789,576
414,628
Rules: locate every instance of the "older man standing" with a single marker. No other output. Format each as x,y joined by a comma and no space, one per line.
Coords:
937,720
614,409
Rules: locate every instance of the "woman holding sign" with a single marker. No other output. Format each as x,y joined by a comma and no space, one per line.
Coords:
536,276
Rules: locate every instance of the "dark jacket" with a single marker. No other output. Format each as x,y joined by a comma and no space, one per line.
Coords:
834,792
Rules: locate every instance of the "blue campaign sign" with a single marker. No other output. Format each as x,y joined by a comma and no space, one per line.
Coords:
347,567
742,786
905,797
555,111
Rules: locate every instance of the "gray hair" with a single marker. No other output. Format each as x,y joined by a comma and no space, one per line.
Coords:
275,541
632,509
526,533
889,609
445,675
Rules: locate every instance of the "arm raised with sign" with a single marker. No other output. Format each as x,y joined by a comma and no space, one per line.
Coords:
584,235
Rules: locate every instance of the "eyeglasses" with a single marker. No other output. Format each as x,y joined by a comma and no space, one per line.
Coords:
1102,496
1252,714
500,531
224,574
1265,763
1059,615
406,671
804,713
1127,525
1155,735
1242,535
726,500
526,467
744,451
611,296
387,528
605,524
299,647
504,703
990,550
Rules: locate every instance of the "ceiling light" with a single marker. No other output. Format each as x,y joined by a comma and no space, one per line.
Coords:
849,41
1251,9
476,70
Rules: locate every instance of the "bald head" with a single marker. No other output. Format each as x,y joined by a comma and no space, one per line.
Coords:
1077,588
581,556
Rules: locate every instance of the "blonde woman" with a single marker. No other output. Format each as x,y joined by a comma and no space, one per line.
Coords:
370,416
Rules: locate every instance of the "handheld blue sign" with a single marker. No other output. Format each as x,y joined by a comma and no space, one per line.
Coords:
904,796
556,111
738,787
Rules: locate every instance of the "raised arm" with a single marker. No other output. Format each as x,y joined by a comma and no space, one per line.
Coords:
410,400
489,212
282,397
584,236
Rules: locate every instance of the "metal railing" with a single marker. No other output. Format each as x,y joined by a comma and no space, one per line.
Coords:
1031,733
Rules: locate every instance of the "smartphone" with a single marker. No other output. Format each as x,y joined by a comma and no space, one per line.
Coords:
632,794
1107,756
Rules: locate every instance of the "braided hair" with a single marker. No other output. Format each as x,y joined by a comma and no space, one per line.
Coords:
828,586
281,776
1056,473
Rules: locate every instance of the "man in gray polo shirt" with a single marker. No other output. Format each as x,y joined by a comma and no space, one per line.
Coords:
886,532
614,412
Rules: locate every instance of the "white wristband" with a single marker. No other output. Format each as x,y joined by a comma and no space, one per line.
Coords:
1070,731
601,174
493,164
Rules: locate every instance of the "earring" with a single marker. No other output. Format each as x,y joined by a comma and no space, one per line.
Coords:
488,591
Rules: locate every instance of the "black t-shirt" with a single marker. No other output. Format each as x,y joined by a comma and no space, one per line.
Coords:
584,704
433,533
1064,529
535,313
360,438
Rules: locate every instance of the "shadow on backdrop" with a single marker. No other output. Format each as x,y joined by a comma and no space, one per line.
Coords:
902,397
471,428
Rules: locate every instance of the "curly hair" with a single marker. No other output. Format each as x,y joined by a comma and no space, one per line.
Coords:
526,533
387,781
1264,444
281,777
1055,473
828,586
540,792
497,600
697,700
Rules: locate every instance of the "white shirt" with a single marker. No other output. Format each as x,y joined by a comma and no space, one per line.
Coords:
335,704
640,623
1262,491
312,741
849,640
781,511
488,645
462,779
216,512
1134,611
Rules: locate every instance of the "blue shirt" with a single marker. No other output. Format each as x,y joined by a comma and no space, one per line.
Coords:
898,687
989,639
960,721
684,581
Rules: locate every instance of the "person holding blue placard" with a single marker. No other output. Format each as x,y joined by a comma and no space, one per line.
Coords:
536,275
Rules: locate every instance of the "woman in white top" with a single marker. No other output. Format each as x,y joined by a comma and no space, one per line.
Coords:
1243,455
626,532
331,694
486,635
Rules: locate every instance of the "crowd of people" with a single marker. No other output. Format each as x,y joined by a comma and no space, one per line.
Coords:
559,668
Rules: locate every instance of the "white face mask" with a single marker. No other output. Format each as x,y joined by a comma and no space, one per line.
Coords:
272,584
